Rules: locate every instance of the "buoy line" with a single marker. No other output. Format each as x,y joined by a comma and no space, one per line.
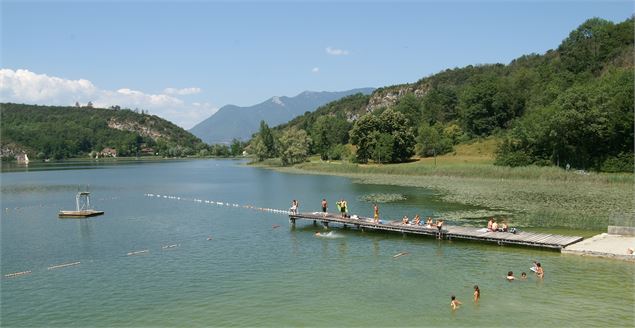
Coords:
219,203
163,247
15,274
59,266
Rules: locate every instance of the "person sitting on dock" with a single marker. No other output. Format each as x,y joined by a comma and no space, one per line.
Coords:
404,220
489,224
429,222
510,276
503,227
416,220
494,226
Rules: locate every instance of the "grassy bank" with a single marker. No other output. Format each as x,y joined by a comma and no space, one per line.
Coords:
541,197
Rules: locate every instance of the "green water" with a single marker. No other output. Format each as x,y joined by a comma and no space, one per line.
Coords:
251,274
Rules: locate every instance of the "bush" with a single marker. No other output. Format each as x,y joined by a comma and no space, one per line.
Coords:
620,163
513,159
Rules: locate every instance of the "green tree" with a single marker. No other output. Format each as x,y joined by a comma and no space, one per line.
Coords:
258,148
236,147
367,130
328,131
381,148
410,106
268,139
439,105
294,146
431,141
361,135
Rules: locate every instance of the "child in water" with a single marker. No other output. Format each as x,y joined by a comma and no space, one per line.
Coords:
477,293
454,304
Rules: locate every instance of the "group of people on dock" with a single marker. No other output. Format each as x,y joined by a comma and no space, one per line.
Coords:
493,226
342,207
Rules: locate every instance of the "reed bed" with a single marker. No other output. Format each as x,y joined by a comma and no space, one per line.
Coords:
533,196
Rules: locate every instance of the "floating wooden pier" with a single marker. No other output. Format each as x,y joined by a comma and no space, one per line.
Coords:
448,232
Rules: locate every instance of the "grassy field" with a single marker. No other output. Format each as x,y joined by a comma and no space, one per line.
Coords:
538,197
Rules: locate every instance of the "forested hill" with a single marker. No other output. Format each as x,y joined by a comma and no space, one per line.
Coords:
571,105
62,132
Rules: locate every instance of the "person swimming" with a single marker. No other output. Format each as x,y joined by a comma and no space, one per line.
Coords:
510,276
523,276
454,304
477,293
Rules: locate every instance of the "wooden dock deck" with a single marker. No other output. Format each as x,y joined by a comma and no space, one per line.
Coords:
448,232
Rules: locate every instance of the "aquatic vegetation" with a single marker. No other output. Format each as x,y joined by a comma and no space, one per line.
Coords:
533,196
382,197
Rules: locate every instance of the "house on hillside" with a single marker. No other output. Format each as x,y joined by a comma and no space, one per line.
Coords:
147,151
22,158
108,152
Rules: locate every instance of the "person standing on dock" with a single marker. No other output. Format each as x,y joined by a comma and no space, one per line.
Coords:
324,206
440,228
294,207
375,213
344,208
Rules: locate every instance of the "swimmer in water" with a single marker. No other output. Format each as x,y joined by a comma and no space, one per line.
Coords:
510,276
523,276
454,304
318,234
539,271
477,293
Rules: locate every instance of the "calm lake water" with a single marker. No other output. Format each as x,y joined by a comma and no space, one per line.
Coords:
252,274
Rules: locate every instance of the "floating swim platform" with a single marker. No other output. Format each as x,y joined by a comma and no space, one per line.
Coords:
79,214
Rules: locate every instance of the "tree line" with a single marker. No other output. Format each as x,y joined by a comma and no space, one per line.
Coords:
53,132
570,106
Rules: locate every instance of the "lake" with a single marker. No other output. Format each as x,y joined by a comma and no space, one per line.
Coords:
216,265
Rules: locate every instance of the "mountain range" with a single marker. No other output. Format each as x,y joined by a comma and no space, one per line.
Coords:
234,122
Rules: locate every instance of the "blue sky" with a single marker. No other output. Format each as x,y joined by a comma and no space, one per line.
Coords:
183,61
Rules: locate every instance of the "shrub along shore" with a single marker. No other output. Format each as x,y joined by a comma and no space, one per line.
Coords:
537,197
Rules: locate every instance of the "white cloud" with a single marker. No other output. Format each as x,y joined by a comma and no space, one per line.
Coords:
182,92
336,52
315,70
24,86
